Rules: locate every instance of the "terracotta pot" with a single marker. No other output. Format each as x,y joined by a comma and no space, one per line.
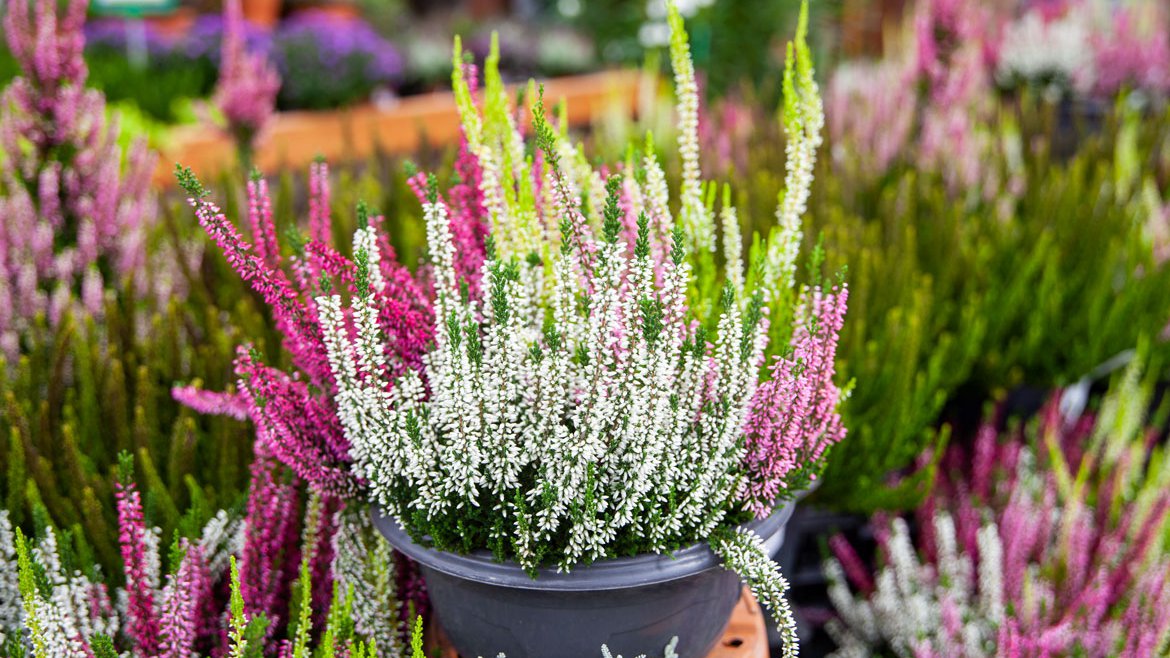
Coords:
264,13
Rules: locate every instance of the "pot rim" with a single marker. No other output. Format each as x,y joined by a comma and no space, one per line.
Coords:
611,574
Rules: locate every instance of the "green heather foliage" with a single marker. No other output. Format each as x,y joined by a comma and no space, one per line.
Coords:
961,299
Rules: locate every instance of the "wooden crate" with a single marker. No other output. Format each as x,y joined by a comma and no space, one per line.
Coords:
746,635
294,139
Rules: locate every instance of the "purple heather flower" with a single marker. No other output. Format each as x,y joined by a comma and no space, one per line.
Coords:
329,61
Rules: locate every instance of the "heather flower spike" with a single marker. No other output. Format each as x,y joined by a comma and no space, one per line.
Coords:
139,547
803,119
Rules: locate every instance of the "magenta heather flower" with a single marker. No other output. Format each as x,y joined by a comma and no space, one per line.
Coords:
211,402
248,83
296,422
139,549
793,416
296,426
73,211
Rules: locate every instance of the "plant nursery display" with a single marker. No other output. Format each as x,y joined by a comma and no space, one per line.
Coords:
580,392
1037,542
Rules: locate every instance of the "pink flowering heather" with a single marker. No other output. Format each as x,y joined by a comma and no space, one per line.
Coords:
1014,559
248,83
140,564
725,131
1134,53
182,604
929,108
320,222
211,402
793,416
942,28
870,125
73,210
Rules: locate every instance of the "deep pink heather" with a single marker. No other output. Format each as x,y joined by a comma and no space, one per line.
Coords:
293,413
142,624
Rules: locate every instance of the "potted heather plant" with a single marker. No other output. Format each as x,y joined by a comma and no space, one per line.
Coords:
583,441
587,441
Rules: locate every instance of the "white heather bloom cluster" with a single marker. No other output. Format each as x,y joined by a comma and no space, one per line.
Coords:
695,215
57,622
222,537
597,418
743,552
912,603
10,604
1055,51
804,122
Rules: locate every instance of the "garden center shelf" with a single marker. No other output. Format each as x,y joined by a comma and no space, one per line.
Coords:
746,635
294,139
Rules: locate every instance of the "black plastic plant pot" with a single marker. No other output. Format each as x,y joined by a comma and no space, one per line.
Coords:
634,605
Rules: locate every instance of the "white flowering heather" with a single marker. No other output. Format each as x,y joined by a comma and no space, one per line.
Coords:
743,552
594,397
222,537
668,652
10,599
912,602
1055,53
696,218
59,612
612,423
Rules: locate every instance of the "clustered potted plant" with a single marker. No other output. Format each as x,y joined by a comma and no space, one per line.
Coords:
587,443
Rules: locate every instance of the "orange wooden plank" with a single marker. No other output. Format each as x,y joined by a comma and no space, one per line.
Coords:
293,139
746,635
